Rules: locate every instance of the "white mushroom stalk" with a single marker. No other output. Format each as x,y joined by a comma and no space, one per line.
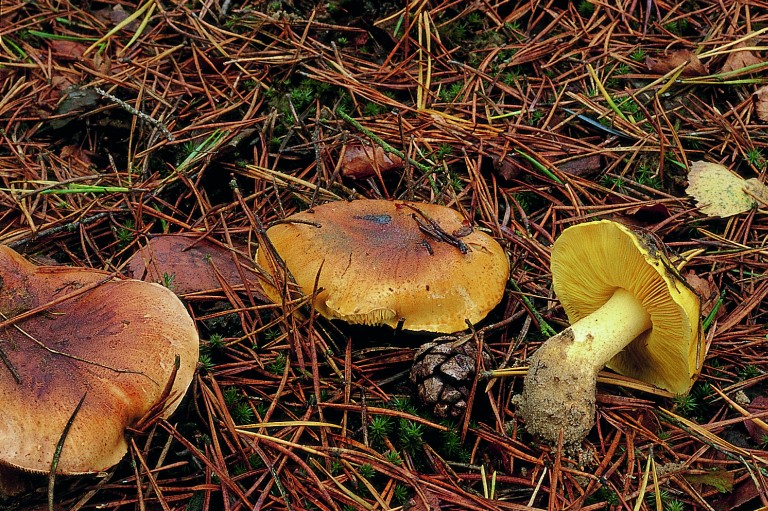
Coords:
559,392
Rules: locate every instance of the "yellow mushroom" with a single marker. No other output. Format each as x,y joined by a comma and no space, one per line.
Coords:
630,311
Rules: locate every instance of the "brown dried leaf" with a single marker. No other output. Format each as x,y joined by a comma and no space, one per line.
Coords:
361,161
718,478
115,16
758,405
760,98
76,156
707,291
646,215
193,263
739,59
67,50
692,65
102,63
583,167
744,492
432,502
506,167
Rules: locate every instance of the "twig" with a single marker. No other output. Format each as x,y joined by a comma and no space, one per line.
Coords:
59,448
429,226
133,111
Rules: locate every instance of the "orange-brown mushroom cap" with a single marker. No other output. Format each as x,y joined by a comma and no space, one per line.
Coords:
381,262
114,342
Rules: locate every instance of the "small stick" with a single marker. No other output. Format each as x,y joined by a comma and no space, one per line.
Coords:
429,226
141,115
10,366
69,226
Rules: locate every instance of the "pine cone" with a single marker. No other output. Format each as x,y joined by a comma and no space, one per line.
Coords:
443,371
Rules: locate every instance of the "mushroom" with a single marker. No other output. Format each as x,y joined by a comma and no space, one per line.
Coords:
68,334
630,311
397,263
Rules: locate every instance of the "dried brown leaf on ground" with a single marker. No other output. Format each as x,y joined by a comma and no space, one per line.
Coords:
64,50
363,160
190,264
761,103
587,166
740,58
707,290
115,15
758,432
685,60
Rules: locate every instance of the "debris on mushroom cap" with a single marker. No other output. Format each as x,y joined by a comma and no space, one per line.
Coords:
80,332
381,262
720,192
591,260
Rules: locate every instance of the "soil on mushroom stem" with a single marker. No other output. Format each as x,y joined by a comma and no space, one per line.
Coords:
555,401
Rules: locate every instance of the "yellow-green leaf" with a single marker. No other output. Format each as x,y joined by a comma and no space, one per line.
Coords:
720,192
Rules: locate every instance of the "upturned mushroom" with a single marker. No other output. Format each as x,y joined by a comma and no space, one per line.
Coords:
68,334
396,263
629,310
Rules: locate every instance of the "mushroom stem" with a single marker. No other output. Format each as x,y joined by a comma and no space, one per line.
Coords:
598,337
559,389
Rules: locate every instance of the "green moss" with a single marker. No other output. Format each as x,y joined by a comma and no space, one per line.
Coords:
638,55
393,457
448,94
677,27
410,435
401,493
278,365
366,470
756,158
380,428
586,8
748,372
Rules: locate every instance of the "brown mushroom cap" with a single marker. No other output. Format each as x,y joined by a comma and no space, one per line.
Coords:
591,260
378,266
115,342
